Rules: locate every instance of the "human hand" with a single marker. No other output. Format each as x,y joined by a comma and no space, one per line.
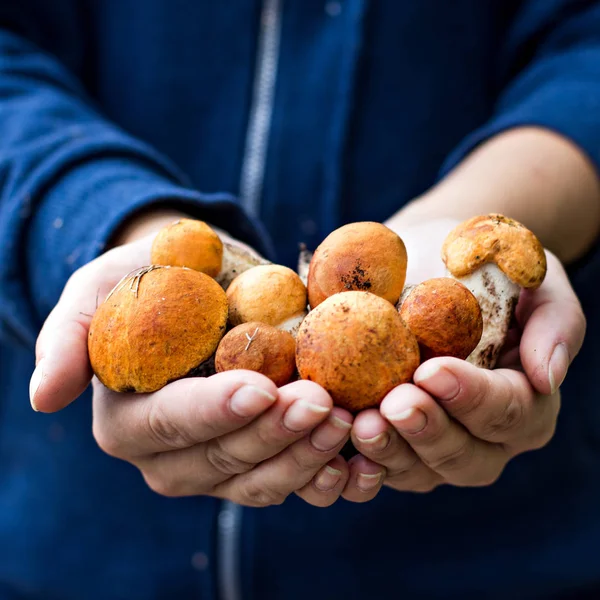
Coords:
233,435
460,425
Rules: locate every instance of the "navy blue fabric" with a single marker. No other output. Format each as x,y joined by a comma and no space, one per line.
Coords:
110,106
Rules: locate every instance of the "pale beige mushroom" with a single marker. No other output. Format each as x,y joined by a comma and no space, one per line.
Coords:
271,294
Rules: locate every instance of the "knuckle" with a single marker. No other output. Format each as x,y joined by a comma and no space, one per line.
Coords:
305,460
163,431
266,435
401,472
509,419
107,442
471,402
78,277
425,488
258,495
454,459
161,486
542,437
489,477
223,462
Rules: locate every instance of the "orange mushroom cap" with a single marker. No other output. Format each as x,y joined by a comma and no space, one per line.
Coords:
444,316
363,256
261,348
157,325
357,347
188,243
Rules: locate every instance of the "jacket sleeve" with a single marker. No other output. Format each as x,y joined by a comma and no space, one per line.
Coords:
549,76
68,179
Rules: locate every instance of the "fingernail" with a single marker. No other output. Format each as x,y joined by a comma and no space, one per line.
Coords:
34,384
411,421
377,443
559,364
302,414
250,400
438,381
368,481
330,434
327,478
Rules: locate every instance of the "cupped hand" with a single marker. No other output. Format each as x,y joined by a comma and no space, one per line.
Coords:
233,435
459,424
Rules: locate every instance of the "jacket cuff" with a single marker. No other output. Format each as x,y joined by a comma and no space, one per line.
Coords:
84,208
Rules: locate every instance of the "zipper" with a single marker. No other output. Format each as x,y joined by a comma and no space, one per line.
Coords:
261,110
228,542
251,186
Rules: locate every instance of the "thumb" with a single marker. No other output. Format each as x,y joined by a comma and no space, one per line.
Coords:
63,369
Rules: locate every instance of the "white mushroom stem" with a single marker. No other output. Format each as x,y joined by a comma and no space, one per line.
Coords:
292,325
497,296
408,288
236,260
304,263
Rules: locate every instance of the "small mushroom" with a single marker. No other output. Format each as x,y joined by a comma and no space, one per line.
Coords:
194,244
271,294
363,256
357,347
258,347
444,316
157,325
494,257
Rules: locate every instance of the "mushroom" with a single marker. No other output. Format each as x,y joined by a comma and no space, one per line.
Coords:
258,347
304,258
271,294
444,316
495,257
357,347
363,256
194,244
158,324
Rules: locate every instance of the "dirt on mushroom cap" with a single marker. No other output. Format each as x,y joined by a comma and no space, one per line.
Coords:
155,327
356,346
363,256
496,238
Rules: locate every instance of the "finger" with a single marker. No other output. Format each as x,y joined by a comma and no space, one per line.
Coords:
378,441
498,406
364,481
300,407
180,415
554,327
442,444
63,370
327,485
272,481
197,470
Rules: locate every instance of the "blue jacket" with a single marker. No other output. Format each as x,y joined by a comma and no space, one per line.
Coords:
278,128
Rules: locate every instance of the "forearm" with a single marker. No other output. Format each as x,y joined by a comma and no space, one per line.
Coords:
532,175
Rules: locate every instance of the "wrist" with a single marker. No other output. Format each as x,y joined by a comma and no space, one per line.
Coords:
145,223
